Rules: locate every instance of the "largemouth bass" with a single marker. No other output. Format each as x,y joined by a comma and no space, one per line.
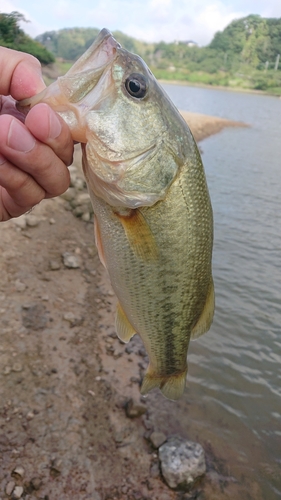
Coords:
153,216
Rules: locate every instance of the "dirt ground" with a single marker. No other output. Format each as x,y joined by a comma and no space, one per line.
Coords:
72,422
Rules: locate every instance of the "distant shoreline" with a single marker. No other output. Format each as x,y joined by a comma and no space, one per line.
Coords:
216,87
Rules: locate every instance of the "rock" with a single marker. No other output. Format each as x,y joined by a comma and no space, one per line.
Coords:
69,194
71,261
52,221
9,488
17,367
54,265
36,483
32,220
73,319
182,461
18,471
79,183
17,493
134,409
20,222
157,438
34,317
82,199
20,286
86,217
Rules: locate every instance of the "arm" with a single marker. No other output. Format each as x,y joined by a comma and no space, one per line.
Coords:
34,155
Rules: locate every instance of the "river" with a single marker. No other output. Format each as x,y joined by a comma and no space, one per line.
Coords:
234,383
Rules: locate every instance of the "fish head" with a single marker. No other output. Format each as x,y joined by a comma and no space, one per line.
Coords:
131,132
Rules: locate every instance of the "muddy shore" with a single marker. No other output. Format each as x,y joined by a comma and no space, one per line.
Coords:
72,423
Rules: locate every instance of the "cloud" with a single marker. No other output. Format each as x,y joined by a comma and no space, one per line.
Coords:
150,20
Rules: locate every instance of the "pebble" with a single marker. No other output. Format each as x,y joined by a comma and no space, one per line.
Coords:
69,194
17,367
73,319
32,220
20,286
9,488
157,438
71,261
36,483
134,409
17,493
52,221
86,217
54,265
182,461
20,222
19,471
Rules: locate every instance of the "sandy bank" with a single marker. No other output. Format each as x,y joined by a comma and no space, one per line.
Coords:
203,126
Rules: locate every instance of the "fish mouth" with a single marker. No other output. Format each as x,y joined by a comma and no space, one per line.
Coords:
82,77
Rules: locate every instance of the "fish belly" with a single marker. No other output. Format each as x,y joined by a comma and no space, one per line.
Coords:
162,295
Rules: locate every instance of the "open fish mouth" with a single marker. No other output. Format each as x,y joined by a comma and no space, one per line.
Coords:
82,77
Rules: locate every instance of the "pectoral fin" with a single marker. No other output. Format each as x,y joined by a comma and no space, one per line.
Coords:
206,318
171,386
124,329
139,235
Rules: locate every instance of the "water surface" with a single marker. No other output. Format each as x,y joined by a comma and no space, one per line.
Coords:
234,382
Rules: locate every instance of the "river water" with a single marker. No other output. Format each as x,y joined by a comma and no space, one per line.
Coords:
234,383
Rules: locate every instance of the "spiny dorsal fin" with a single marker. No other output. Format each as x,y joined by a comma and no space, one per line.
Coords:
139,234
206,318
124,329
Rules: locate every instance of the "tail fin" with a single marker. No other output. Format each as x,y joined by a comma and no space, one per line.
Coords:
172,387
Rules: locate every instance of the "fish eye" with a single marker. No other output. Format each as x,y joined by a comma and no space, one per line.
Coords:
136,85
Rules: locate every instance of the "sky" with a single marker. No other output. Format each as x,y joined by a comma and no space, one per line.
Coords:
147,20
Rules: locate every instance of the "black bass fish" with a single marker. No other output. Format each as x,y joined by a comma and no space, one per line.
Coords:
153,216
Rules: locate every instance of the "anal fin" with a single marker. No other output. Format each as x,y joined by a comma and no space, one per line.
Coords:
124,329
172,386
206,318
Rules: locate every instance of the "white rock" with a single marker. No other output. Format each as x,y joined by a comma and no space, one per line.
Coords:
32,220
20,221
17,493
69,194
182,461
71,261
9,488
19,470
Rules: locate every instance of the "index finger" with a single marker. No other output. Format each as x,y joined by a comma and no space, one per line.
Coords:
21,74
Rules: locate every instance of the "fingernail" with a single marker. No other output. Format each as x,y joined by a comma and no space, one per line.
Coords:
19,138
54,125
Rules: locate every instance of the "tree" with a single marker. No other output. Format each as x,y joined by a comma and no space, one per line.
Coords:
13,37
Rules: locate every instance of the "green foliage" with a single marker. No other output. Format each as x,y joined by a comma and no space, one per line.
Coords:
13,37
243,55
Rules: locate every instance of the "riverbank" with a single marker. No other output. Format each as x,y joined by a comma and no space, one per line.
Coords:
72,422
203,126
243,90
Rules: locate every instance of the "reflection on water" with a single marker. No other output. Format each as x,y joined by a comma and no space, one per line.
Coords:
234,382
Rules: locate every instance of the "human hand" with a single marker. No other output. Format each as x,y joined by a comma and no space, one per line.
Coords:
34,155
